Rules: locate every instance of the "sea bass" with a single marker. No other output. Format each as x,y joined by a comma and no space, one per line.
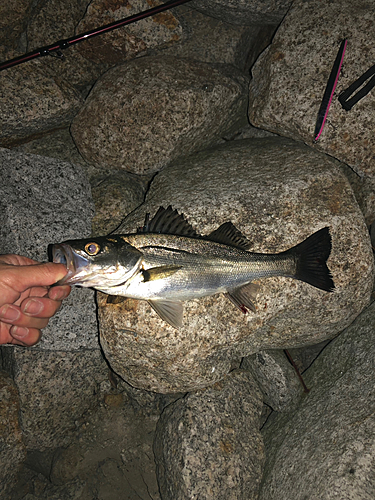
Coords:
167,262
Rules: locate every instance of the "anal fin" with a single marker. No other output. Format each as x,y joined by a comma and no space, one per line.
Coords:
171,311
244,296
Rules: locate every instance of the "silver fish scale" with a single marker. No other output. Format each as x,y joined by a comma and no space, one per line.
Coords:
206,267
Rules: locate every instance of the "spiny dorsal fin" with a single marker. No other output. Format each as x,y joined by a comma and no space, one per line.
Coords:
168,221
228,234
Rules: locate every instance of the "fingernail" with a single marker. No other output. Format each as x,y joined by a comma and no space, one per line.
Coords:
33,306
10,313
19,332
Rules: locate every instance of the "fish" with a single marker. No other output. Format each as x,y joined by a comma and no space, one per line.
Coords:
166,262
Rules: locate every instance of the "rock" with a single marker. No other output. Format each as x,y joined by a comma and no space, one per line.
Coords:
126,43
52,21
111,456
115,196
277,192
275,377
55,389
34,101
245,12
13,21
213,41
208,445
42,201
290,77
149,111
12,448
325,449
60,145
45,201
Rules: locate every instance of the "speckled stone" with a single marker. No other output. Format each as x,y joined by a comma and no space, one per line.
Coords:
277,192
240,12
149,111
115,196
44,201
276,378
34,100
12,447
130,41
290,77
55,389
325,450
208,444
216,41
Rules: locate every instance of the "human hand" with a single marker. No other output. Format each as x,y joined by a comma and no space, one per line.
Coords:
26,300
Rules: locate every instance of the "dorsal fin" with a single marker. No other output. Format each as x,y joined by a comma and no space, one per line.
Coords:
168,221
228,234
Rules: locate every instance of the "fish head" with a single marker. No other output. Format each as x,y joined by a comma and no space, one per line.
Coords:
103,262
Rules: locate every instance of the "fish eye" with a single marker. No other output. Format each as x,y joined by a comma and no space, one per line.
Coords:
92,248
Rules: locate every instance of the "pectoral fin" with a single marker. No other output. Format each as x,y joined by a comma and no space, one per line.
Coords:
244,297
158,273
170,311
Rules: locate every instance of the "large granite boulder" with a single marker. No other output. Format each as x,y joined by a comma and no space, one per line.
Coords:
208,444
277,192
43,201
12,447
240,12
149,111
324,449
290,76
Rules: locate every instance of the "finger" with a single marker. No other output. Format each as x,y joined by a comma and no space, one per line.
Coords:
40,307
24,336
14,316
37,275
59,292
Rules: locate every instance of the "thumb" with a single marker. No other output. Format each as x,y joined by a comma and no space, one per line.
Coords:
38,275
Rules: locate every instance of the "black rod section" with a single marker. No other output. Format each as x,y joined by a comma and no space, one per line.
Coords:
64,44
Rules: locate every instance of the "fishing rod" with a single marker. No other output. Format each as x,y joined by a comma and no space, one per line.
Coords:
55,48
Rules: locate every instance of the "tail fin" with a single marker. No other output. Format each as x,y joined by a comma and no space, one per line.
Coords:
311,258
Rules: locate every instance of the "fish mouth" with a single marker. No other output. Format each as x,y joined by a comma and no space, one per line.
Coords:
76,264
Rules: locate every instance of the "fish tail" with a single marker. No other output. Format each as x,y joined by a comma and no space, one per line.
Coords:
311,260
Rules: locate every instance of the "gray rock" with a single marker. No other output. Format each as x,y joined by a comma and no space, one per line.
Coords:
213,41
245,12
208,444
277,192
275,377
42,201
34,100
12,448
115,196
325,449
13,22
45,201
149,111
128,42
290,77
55,389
